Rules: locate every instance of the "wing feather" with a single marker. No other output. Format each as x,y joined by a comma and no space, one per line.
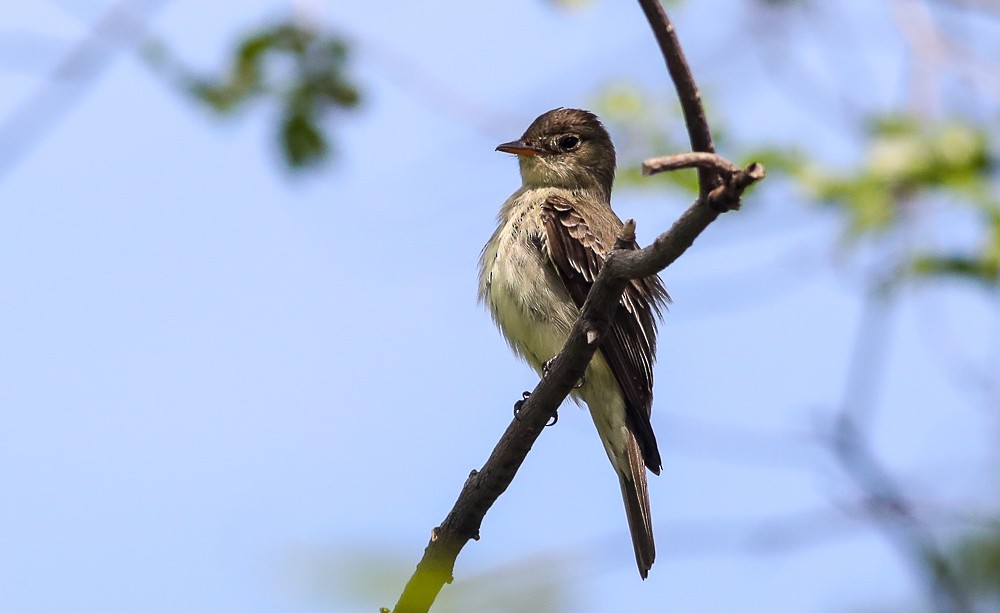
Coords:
578,255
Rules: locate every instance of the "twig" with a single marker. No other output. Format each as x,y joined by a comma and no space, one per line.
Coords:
687,90
718,194
693,159
722,198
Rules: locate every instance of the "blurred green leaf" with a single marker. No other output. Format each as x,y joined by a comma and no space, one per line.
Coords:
977,269
907,163
977,560
981,264
298,69
365,577
644,126
301,141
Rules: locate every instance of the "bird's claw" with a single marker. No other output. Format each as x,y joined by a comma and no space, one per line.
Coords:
520,404
547,368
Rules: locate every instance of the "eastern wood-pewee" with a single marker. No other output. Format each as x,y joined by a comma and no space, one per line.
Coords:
536,270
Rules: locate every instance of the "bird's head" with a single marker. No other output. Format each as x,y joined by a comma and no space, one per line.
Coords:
565,148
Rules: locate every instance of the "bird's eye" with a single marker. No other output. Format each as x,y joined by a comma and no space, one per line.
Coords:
568,143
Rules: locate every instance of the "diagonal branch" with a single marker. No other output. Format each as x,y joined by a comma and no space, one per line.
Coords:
483,487
720,192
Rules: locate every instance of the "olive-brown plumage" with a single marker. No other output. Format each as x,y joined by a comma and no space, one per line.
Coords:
553,236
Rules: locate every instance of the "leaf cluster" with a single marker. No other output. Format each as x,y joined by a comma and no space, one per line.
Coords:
978,562
908,167
301,70
642,123
908,164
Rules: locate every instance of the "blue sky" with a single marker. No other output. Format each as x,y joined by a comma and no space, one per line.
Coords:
223,388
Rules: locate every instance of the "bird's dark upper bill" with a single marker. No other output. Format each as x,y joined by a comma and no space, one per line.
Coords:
518,148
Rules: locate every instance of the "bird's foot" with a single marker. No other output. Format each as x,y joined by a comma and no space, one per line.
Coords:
520,404
547,368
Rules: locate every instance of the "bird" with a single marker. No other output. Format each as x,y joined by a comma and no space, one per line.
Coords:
552,238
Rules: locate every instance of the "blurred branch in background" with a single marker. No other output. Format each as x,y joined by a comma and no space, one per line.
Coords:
987,7
891,510
920,169
120,27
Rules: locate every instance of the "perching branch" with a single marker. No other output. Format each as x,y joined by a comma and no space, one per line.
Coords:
722,185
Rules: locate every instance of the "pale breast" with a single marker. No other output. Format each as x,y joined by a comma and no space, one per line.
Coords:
523,291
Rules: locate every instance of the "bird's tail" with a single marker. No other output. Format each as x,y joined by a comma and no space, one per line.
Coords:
632,478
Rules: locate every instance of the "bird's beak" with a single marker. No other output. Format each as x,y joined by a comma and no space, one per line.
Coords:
518,147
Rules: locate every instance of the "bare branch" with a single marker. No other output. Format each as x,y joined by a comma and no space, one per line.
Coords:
483,487
720,192
687,90
693,159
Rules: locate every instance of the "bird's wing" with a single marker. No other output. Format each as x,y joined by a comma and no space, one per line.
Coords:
578,255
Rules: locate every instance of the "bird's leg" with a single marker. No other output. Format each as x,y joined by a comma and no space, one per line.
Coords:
547,368
520,404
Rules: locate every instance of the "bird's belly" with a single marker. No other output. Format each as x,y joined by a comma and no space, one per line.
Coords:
536,320
535,313
531,308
